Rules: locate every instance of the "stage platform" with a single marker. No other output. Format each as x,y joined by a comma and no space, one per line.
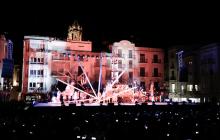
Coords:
53,104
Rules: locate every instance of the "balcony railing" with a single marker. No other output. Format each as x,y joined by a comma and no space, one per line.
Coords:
60,58
81,59
156,75
143,60
156,60
120,55
37,89
143,74
130,56
31,62
121,66
172,78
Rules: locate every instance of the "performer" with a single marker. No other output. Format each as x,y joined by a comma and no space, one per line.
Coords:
152,91
68,92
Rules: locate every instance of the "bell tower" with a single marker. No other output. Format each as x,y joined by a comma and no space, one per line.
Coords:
75,32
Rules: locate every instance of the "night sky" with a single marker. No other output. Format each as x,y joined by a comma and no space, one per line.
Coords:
144,24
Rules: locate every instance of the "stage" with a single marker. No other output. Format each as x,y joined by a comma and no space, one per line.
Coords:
55,104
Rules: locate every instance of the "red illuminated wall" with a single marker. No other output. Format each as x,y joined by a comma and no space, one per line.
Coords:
62,61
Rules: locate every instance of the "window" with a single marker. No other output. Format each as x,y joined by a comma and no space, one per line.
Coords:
172,73
172,87
142,58
196,88
38,72
130,54
35,60
119,53
42,60
30,84
155,59
40,85
182,88
34,84
189,87
119,64
130,64
42,72
34,72
130,74
38,60
142,71
155,74
31,72
142,85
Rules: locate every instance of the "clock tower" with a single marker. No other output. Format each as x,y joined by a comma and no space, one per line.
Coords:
75,32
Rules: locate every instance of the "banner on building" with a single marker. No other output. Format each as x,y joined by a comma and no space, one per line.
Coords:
9,49
7,70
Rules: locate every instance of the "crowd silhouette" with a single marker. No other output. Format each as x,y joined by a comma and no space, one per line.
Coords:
173,121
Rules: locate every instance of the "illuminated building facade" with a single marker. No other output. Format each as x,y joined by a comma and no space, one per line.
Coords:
6,63
142,64
46,59
200,75
209,73
183,72
3,44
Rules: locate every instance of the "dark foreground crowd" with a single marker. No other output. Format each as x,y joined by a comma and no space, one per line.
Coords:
184,122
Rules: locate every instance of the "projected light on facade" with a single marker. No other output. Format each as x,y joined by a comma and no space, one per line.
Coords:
47,59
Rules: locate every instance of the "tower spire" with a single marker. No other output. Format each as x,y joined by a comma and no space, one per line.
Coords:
75,32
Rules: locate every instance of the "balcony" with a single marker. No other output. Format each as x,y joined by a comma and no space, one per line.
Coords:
37,89
130,56
172,78
156,60
156,75
120,55
39,63
121,66
143,60
143,74
60,58
81,58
